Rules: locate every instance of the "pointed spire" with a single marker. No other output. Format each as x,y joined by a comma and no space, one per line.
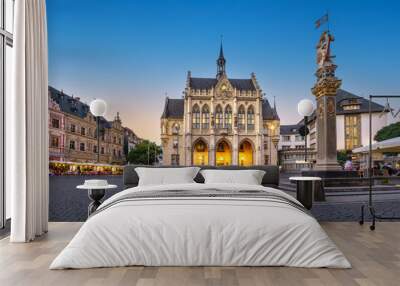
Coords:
274,103
221,52
221,62
117,118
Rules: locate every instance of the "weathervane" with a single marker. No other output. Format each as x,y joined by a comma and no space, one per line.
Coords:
324,56
324,19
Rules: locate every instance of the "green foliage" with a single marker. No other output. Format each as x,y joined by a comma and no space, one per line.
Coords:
144,153
388,132
342,157
126,151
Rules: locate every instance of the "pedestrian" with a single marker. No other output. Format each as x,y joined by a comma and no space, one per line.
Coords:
348,166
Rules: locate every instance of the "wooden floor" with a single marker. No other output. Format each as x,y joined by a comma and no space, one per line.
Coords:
375,257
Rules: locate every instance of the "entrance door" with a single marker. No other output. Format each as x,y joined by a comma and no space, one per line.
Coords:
200,153
223,154
245,154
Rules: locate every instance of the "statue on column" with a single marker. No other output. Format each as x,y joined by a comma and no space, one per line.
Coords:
324,49
325,73
325,90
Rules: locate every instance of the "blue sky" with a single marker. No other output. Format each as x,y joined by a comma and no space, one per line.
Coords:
131,53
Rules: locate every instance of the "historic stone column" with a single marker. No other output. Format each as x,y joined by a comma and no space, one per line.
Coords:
235,138
258,129
325,92
188,132
211,143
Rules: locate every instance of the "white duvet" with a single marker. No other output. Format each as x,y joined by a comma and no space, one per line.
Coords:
200,231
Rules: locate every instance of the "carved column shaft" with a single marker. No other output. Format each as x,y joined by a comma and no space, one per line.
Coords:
325,90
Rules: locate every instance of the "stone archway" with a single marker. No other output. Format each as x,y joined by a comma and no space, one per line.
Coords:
223,153
246,153
200,152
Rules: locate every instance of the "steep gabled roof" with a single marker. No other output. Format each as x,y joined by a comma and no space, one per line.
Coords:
173,108
289,129
268,112
68,104
208,83
73,106
343,95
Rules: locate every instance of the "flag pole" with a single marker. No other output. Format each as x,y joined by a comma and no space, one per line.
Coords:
327,20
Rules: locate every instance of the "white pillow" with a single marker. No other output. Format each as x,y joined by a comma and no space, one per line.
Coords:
248,177
166,176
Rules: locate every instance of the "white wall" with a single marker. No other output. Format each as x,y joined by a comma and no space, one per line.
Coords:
377,124
340,132
292,143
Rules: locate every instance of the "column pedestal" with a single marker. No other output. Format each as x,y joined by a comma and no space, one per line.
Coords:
325,92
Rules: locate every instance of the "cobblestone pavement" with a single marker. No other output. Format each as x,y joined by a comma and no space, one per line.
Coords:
70,204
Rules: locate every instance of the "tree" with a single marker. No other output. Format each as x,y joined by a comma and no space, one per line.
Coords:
144,153
388,132
342,157
126,147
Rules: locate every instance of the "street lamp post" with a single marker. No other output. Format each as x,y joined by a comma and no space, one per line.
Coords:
305,108
271,129
273,141
98,108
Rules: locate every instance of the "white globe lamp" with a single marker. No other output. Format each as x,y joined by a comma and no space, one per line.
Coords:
305,107
98,108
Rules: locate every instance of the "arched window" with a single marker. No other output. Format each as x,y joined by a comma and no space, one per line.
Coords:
228,117
196,117
175,129
250,118
219,117
205,117
241,118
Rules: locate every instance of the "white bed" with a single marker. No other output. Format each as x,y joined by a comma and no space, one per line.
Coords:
202,231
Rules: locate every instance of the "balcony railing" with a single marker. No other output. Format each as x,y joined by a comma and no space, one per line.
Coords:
224,131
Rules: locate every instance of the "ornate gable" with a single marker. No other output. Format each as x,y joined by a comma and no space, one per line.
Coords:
224,88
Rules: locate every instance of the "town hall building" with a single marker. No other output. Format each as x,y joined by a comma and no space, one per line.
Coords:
220,121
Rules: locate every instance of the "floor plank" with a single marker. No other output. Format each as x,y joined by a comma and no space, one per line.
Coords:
375,257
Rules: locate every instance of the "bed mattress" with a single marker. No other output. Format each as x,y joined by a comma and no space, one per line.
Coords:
201,225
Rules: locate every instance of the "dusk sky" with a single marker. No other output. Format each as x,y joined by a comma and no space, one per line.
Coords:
131,53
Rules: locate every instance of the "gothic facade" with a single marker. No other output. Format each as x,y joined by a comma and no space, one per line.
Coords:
220,121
